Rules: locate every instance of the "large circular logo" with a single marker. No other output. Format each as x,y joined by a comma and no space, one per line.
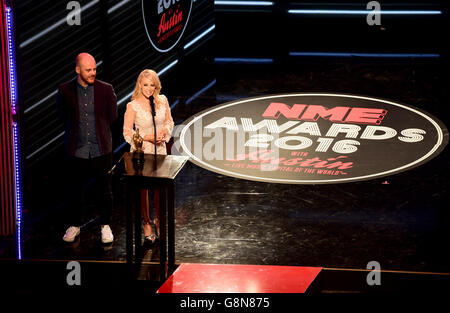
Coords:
165,21
312,138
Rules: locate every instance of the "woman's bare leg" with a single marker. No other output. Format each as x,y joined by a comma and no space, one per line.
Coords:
156,205
145,213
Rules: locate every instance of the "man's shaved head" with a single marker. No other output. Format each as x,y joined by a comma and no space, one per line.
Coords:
83,58
86,68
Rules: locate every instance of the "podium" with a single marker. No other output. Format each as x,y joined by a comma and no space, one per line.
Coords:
137,174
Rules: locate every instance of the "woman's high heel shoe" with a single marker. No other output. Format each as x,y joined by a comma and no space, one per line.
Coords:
151,238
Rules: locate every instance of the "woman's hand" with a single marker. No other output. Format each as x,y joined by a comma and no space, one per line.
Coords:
150,138
160,138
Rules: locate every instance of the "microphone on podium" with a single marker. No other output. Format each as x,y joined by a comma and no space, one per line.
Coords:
152,106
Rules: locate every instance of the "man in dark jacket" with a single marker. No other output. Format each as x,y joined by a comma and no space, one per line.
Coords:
88,108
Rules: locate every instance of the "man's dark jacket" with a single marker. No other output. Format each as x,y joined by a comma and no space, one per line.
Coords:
105,108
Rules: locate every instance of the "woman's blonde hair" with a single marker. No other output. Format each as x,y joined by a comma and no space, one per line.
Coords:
154,77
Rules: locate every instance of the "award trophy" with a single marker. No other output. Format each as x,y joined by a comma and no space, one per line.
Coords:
138,154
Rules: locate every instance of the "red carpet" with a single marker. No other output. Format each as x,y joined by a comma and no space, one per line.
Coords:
221,278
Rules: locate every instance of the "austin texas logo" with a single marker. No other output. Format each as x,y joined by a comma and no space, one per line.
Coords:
165,21
311,138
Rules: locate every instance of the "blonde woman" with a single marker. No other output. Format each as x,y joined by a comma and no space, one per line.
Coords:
138,115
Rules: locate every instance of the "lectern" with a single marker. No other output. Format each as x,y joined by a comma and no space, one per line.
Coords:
140,173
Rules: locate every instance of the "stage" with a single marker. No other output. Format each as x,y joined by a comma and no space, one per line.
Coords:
400,221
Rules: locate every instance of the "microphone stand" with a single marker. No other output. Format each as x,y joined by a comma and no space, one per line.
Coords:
152,105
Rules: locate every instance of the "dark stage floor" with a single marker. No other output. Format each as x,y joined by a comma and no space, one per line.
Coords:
401,221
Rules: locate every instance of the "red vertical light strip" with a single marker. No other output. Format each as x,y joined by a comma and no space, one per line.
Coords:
5,208
10,155
4,197
5,107
7,128
8,215
3,104
10,163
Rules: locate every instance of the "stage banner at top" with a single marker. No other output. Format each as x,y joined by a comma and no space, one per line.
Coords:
165,21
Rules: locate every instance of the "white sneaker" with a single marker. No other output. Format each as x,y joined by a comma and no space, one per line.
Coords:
71,233
107,235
